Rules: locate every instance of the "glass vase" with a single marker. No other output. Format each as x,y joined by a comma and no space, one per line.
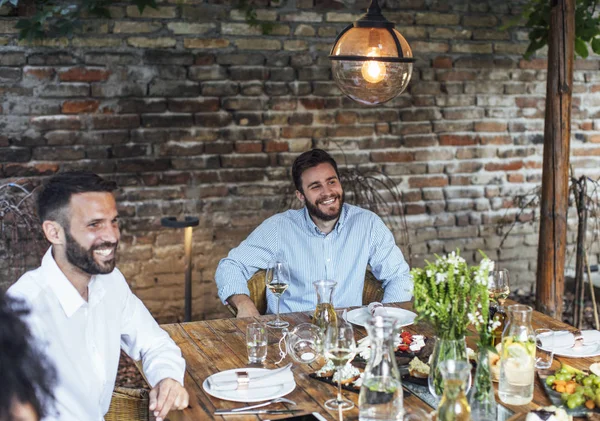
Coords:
481,395
454,405
445,349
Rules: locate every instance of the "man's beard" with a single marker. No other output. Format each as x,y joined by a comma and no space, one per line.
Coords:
84,259
313,209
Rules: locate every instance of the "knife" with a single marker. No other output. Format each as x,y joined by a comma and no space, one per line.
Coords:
258,411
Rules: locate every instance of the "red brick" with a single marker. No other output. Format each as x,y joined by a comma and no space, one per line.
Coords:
41,73
586,125
533,164
253,146
504,166
350,131
516,178
496,140
586,151
83,74
595,88
194,105
536,64
460,180
28,170
204,60
111,122
56,122
276,146
278,104
290,132
79,107
313,103
420,182
442,62
458,140
392,156
490,126
414,209
346,117
530,102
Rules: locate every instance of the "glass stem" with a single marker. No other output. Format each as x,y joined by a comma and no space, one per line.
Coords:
278,299
339,396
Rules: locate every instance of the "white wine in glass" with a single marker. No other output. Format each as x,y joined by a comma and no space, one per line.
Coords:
499,289
339,346
277,280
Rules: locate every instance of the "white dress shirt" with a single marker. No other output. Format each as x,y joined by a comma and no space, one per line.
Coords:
83,339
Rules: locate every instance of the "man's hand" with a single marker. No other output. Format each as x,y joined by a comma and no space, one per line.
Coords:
166,395
244,305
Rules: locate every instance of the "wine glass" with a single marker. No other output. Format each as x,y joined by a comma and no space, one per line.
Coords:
339,347
277,279
499,286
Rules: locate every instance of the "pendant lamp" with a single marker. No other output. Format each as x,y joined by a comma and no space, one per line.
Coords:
371,61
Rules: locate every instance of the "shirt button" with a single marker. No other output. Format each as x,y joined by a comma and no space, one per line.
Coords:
329,260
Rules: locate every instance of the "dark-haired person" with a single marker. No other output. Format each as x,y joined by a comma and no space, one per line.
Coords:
326,239
83,311
26,376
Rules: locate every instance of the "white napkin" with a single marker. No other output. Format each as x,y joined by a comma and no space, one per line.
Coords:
565,339
377,309
257,380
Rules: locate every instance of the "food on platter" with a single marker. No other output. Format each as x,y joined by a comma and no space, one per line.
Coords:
576,387
348,374
548,413
404,343
418,368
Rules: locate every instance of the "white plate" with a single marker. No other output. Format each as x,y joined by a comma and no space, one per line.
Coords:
360,316
591,350
250,395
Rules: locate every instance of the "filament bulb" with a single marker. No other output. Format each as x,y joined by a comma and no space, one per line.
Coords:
373,71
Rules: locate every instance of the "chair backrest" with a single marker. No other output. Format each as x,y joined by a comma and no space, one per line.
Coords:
372,291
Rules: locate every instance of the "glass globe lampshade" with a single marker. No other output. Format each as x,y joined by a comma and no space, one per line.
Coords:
371,61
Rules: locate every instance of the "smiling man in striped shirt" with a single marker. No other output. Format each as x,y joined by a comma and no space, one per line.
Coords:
326,239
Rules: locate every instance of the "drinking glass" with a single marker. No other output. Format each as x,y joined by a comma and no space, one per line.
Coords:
256,341
499,286
339,347
277,279
544,340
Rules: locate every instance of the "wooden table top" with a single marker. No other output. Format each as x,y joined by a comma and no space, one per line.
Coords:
216,345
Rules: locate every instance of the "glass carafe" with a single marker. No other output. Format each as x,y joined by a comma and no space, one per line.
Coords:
454,405
517,359
380,396
324,313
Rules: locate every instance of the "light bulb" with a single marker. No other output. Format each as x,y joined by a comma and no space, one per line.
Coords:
373,71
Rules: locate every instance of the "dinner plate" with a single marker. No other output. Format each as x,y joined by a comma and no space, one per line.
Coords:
585,351
360,316
249,395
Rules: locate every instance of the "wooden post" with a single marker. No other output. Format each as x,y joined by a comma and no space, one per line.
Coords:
555,176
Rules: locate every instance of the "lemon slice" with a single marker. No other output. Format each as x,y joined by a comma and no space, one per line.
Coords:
518,351
595,368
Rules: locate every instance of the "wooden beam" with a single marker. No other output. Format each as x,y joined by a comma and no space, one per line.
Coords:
555,176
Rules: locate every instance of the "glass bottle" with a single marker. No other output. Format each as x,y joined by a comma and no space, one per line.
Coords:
445,349
481,395
454,405
517,358
380,397
324,313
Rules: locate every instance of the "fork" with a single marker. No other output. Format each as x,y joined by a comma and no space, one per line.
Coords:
260,405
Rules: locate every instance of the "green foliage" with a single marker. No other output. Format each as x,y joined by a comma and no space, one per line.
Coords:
587,26
252,19
451,295
55,18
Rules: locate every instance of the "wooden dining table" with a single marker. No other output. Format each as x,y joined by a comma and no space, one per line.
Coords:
213,346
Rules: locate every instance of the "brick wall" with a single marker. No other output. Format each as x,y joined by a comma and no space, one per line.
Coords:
194,112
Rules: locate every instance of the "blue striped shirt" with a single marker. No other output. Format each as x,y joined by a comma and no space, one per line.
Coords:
359,238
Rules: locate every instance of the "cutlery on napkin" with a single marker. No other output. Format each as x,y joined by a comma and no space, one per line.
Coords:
260,411
566,339
377,309
255,380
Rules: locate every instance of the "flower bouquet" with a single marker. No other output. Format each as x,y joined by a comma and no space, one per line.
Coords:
451,295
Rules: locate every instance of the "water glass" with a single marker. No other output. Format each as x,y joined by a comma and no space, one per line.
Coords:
544,340
256,341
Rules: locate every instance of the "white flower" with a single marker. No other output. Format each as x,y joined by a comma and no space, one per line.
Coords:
439,278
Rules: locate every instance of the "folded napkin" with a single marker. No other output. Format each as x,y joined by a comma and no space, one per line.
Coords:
377,309
256,380
565,339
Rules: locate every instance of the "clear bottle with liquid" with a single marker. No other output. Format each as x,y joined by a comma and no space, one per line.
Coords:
454,405
380,397
517,359
324,313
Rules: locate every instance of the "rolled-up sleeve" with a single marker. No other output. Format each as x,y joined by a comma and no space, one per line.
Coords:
242,262
143,339
388,264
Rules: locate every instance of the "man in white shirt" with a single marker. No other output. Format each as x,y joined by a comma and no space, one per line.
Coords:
82,310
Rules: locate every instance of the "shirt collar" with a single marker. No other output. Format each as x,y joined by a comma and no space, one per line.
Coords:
67,295
312,227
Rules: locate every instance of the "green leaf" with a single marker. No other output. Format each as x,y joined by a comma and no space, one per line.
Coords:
581,48
596,45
